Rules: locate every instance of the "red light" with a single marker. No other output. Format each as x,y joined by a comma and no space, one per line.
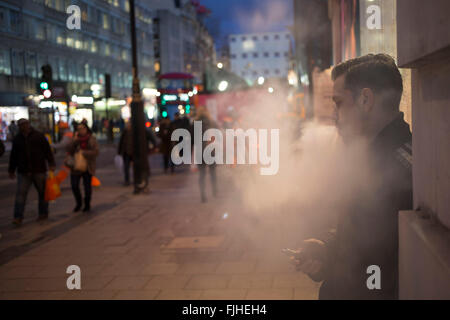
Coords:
47,94
148,124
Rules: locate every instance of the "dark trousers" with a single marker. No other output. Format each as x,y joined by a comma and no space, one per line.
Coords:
126,166
24,182
202,177
75,182
168,162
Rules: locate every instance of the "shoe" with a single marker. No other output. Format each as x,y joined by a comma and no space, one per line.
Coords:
77,208
17,221
87,208
42,217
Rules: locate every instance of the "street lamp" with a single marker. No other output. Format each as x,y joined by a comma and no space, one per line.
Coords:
223,85
140,163
220,65
270,90
261,81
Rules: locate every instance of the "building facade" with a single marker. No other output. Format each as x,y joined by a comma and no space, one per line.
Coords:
182,42
257,55
34,33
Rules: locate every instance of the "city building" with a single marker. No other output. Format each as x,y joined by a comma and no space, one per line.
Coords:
182,42
257,55
34,33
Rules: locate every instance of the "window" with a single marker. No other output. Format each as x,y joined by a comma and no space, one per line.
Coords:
105,21
255,38
277,54
244,38
244,56
266,54
39,30
17,62
5,62
62,69
277,37
255,55
15,21
30,65
60,36
3,19
87,73
233,56
266,38
277,71
72,71
80,72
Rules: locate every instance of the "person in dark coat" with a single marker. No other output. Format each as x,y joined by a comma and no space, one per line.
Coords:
126,148
367,93
30,157
164,134
204,117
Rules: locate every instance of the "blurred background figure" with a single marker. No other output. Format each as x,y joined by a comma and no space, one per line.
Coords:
207,123
164,134
125,149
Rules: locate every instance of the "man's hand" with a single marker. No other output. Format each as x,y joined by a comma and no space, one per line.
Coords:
310,258
12,175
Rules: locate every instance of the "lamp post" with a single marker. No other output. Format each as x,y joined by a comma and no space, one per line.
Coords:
140,161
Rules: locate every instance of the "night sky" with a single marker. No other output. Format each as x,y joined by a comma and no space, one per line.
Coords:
243,16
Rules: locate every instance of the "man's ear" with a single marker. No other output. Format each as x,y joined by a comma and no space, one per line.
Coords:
366,100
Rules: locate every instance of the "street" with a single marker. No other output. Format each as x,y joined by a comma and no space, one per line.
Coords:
164,245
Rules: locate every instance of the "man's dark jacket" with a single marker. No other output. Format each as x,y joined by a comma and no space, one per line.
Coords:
30,154
367,234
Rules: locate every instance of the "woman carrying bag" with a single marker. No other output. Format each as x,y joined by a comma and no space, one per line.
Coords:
83,152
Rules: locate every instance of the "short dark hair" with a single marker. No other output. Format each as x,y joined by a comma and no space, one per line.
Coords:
375,71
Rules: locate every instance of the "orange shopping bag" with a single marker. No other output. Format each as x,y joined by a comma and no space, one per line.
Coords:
52,190
61,175
95,182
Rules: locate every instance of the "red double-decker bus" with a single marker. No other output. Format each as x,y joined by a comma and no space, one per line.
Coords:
176,91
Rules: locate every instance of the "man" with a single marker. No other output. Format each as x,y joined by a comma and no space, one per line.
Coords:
367,93
30,155
125,149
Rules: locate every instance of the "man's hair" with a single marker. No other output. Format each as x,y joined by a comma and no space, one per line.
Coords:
374,71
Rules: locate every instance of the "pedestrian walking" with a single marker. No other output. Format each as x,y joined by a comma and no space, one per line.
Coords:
83,152
207,123
13,130
30,157
125,149
164,134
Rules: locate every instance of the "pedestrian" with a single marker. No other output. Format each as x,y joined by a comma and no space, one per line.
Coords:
164,134
84,151
367,93
30,156
207,123
125,149
110,129
2,148
13,130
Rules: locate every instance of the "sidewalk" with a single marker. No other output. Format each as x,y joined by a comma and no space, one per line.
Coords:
165,245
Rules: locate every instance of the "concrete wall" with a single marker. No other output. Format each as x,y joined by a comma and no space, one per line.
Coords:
424,46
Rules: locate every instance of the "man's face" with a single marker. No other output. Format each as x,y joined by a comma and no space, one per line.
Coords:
24,127
349,117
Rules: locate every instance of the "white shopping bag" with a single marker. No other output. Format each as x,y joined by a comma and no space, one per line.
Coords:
118,161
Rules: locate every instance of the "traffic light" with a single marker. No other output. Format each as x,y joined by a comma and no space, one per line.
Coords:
46,83
188,109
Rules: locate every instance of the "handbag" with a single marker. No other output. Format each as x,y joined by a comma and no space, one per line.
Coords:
69,161
80,163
